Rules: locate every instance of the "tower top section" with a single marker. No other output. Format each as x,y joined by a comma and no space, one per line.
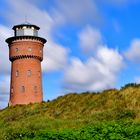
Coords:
26,29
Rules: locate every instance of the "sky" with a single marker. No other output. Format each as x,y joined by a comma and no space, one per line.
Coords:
92,45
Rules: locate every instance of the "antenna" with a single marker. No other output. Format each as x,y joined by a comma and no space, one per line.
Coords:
26,19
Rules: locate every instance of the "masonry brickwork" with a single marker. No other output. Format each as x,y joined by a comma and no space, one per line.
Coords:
26,54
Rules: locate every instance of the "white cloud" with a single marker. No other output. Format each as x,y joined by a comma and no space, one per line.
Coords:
90,39
55,57
75,11
4,90
133,53
19,9
5,83
4,52
97,73
110,58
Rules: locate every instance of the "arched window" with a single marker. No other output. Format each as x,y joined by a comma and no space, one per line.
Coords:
40,50
29,49
12,90
17,73
22,89
29,73
16,49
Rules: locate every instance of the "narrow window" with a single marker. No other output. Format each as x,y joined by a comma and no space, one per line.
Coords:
17,73
16,50
29,73
29,49
35,89
40,50
22,89
12,90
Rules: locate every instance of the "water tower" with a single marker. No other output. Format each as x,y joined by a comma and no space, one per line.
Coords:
25,54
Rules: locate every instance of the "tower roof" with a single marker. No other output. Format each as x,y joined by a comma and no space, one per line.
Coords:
27,24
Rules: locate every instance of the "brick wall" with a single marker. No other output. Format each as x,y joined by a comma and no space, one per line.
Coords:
26,76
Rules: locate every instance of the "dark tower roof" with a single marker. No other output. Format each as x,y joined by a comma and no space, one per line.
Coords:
27,24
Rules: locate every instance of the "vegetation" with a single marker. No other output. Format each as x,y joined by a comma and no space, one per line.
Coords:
99,131
113,114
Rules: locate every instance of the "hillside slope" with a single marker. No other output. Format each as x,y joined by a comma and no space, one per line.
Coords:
73,111
80,105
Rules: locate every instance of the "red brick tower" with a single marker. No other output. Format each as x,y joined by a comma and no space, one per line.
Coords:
26,54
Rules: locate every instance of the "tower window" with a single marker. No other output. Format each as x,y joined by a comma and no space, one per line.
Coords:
17,73
22,89
29,73
29,49
12,90
35,89
40,50
16,49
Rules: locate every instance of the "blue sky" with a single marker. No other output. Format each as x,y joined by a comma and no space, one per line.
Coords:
92,44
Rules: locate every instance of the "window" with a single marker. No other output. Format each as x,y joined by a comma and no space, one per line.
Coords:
17,73
35,89
22,89
12,90
35,33
40,50
29,73
29,49
16,49
19,32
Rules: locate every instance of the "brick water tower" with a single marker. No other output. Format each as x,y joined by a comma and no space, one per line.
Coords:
25,54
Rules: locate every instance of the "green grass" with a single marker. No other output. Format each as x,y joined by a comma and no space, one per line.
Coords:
113,114
115,130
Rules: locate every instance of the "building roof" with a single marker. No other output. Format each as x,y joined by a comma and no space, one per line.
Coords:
27,24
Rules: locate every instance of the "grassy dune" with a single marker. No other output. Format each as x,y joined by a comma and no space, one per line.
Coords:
72,113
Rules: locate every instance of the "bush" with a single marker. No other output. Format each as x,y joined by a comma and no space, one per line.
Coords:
108,131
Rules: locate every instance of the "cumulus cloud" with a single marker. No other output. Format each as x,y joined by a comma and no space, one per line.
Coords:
75,11
19,9
4,52
110,58
5,83
4,90
90,39
133,53
55,55
97,73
